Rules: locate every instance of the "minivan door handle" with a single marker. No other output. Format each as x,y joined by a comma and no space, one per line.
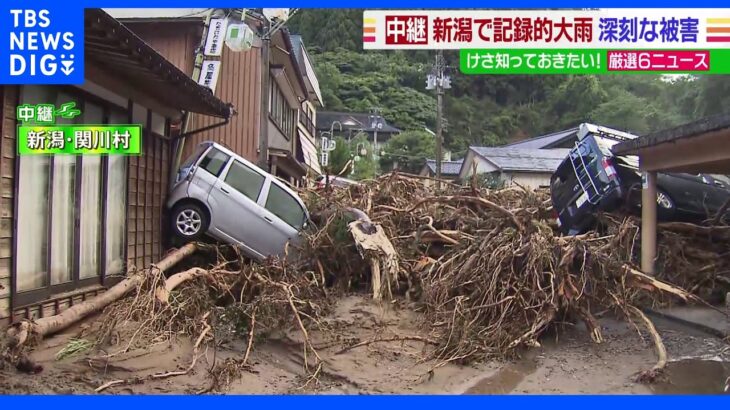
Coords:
224,190
269,220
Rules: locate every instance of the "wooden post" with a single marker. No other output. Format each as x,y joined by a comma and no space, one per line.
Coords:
648,222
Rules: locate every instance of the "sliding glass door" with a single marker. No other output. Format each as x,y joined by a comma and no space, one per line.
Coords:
71,218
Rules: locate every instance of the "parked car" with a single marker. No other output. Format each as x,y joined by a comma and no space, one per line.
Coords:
221,194
335,181
592,179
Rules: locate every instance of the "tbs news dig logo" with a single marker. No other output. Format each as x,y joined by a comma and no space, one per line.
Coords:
43,48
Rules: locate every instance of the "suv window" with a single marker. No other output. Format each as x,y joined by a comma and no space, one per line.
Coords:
283,205
214,161
245,180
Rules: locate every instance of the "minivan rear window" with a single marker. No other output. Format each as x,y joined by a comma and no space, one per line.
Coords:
214,161
283,205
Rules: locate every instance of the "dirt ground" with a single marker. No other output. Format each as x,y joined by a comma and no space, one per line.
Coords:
566,364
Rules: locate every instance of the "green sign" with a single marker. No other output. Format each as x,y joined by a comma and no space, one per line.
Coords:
594,61
79,139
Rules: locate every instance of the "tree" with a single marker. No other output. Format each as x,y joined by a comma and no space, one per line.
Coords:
409,149
365,165
339,157
491,110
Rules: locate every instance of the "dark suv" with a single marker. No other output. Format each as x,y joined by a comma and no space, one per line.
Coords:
592,179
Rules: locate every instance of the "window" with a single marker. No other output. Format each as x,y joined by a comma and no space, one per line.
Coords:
283,205
214,161
245,180
280,112
61,209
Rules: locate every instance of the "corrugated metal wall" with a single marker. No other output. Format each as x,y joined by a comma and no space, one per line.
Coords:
175,41
147,189
239,83
9,98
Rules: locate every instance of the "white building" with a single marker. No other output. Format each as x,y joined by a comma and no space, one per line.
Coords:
528,167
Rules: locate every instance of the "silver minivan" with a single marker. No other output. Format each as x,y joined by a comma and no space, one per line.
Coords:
219,193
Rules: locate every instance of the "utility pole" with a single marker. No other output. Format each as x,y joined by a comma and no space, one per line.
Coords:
265,78
439,81
439,112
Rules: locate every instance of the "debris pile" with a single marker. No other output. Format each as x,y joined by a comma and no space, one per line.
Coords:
490,272
486,268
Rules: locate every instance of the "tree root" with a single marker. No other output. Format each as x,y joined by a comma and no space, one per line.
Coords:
651,375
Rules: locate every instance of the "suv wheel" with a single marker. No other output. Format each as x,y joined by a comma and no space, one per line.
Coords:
189,222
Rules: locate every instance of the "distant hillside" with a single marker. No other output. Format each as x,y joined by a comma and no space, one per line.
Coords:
491,110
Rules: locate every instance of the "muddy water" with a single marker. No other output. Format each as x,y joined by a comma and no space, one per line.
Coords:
689,376
505,379
693,376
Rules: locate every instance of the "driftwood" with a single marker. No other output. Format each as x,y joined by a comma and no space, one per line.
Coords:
18,333
715,232
163,293
660,349
375,247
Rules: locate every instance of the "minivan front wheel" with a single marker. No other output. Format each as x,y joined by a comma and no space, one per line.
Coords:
189,222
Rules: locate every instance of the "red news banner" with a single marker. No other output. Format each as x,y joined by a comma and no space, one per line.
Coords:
562,41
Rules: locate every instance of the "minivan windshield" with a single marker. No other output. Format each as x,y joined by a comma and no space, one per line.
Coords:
187,165
194,157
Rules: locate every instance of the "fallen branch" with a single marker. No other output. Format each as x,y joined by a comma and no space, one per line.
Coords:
19,332
661,351
643,280
163,293
477,200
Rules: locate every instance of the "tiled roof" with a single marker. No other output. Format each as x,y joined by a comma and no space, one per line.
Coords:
521,159
447,167
545,141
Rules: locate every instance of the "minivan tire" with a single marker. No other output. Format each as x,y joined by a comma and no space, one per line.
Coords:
189,222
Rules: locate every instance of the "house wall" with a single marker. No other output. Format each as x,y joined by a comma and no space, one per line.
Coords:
239,83
148,175
9,99
277,138
146,181
483,166
532,180
175,41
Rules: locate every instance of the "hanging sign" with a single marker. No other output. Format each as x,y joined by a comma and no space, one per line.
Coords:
216,36
209,74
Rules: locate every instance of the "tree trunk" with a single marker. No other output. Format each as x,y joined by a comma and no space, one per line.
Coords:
19,332
163,293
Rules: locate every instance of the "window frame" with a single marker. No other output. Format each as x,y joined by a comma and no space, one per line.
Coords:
283,115
228,168
266,201
222,170
25,299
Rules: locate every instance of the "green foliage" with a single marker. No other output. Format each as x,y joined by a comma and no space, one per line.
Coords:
490,181
365,166
491,110
410,149
339,157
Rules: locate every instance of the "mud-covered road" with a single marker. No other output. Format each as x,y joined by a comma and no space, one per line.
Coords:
567,362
